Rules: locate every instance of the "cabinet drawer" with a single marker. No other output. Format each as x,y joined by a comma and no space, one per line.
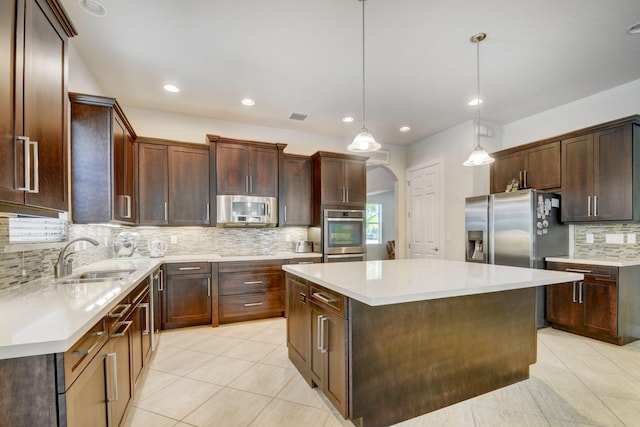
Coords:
82,352
189,268
245,283
331,300
250,267
601,272
234,307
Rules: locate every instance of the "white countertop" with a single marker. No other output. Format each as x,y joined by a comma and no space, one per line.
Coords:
611,262
45,316
407,280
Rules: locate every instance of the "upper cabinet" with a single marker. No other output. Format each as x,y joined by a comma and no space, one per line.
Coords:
33,106
536,166
295,190
245,167
339,180
103,161
173,183
601,173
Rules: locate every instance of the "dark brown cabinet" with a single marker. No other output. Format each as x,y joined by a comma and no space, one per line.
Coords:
296,188
173,184
601,306
33,106
250,290
245,167
535,167
187,295
600,174
103,161
299,324
141,329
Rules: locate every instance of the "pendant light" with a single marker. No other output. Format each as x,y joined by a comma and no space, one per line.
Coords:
478,156
364,141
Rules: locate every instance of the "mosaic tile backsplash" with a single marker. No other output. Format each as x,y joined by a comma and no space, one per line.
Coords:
600,248
39,263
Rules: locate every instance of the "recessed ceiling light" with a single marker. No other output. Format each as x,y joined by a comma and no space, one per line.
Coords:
475,101
405,129
92,7
248,102
634,29
348,119
171,88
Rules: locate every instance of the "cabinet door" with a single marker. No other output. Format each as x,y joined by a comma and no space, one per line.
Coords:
123,190
298,321
599,306
263,172
332,181
295,195
504,169
577,181
119,358
318,363
542,167
355,182
232,161
336,375
188,186
613,174
43,103
561,304
9,154
86,400
187,301
153,184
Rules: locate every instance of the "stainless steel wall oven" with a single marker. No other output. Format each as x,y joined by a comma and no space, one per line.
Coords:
343,235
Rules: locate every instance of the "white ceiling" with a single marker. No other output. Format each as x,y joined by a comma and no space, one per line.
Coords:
305,56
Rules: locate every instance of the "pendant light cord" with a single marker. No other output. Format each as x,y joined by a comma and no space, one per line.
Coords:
364,127
478,87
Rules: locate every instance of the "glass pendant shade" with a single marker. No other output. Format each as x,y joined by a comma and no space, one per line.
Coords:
363,142
479,157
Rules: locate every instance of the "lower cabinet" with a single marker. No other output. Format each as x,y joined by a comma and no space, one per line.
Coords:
118,369
602,306
187,295
141,329
250,290
317,338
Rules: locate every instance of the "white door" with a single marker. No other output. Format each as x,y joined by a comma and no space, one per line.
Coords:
424,209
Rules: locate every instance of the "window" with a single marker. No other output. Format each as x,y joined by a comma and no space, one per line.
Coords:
374,223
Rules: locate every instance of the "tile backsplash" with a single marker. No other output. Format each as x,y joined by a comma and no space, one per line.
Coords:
38,263
600,247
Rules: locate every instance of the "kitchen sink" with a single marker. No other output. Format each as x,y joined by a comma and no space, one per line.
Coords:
98,276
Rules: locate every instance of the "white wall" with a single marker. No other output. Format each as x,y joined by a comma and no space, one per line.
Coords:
453,146
387,200
612,104
80,78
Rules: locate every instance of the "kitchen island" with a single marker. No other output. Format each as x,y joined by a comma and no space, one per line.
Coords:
390,340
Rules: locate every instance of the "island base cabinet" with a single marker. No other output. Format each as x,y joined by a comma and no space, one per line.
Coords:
299,325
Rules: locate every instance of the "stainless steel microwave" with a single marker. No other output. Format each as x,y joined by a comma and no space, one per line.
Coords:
246,211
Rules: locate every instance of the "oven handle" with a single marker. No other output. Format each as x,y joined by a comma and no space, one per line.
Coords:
346,255
330,219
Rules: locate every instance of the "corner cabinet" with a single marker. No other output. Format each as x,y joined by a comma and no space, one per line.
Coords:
245,167
296,188
173,183
601,175
103,161
536,166
33,105
602,306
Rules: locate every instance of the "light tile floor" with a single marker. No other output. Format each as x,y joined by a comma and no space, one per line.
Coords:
240,375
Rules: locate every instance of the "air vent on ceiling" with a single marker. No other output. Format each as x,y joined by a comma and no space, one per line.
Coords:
379,157
299,116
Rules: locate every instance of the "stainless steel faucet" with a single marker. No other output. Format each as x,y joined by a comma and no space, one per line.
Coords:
63,266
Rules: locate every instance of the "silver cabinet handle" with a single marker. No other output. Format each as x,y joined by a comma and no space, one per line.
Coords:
97,334
322,347
246,184
147,323
589,206
160,280
253,304
285,213
127,324
574,291
123,308
207,220
580,300
128,206
303,297
208,286
114,375
27,166
254,282
578,270
166,211
347,188
595,205
520,178
188,268
250,183
320,336
323,298
526,185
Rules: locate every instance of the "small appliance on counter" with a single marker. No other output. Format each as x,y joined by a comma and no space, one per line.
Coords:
303,246
126,245
157,248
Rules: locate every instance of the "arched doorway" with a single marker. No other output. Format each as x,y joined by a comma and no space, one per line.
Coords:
381,211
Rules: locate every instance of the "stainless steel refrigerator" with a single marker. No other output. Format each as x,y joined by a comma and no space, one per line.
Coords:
518,229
